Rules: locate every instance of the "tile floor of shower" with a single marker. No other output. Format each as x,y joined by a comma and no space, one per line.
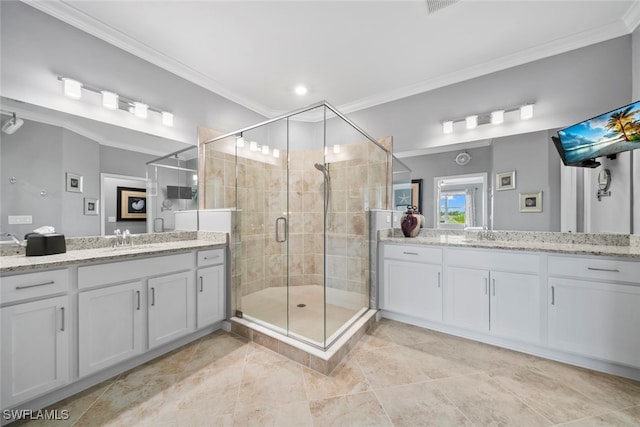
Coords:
397,375
308,311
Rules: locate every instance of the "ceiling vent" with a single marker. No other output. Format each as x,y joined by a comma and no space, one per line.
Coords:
435,5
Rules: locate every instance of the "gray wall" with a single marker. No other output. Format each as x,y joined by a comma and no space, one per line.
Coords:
33,155
537,169
81,156
567,88
443,164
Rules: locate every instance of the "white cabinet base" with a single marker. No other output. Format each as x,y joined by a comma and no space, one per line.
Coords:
35,348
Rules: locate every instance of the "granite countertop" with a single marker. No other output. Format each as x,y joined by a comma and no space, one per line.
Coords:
98,249
620,245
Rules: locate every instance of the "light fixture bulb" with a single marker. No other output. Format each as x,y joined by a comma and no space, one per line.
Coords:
336,149
140,109
253,146
301,90
239,142
276,153
72,88
167,118
109,100
472,121
195,178
265,149
447,127
497,117
526,112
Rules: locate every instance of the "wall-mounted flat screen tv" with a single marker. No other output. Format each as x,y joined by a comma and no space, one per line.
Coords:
605,135
176,192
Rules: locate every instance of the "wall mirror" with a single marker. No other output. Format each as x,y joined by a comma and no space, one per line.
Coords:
50,146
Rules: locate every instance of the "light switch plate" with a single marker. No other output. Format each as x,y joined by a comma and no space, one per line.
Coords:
20,219
111,219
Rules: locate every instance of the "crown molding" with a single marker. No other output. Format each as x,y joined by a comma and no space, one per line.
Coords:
78,19
72,16
632,17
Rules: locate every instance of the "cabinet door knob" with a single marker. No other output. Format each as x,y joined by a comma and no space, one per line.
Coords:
201,284
62,316
153,297
553,295
138,294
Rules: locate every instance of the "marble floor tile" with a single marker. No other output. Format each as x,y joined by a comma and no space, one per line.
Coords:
625,418
362,409
396,375
265,385
614,392
125,403
76,406
484,402
552,397
290,415
346,378
420,405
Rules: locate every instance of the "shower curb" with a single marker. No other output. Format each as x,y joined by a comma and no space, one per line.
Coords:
318,360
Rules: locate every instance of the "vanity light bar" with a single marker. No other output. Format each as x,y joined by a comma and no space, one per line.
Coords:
73,89
495,117
257,148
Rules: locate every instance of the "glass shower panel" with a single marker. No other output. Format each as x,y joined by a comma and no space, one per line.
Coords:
263,224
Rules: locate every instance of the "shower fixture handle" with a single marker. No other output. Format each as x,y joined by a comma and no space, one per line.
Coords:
284,221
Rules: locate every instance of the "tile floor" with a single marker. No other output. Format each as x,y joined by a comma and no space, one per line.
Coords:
397,375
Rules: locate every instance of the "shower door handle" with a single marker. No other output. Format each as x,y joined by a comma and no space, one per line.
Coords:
284,221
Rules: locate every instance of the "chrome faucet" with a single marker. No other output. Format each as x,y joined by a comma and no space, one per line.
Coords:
15,239
121,239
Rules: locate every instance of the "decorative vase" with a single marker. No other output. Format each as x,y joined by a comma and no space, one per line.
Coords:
410,223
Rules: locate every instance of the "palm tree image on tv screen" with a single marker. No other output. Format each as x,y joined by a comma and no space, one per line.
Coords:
604,135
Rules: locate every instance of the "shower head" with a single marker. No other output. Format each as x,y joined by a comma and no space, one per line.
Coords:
320,167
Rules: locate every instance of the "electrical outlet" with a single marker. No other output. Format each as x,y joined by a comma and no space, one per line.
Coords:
111,219
20,219
388,219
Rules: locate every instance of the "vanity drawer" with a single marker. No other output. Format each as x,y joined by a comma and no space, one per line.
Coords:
493,259
33,285
210,257
413,253
126,271
594,268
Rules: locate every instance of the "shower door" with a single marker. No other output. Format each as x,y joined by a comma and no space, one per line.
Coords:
281,205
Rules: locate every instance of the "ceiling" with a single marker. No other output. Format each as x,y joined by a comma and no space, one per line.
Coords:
354,54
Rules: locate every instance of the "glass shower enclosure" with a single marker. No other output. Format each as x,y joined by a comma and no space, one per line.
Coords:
301,187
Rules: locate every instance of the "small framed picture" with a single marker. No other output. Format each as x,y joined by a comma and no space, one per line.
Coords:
74,182
90,206
531,202
506,181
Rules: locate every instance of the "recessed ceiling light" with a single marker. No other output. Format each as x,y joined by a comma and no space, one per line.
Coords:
301,90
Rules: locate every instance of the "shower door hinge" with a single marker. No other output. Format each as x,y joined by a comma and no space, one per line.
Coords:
239,314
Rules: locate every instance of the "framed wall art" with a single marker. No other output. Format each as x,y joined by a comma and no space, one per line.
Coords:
131,204
531,202
506,181
74,182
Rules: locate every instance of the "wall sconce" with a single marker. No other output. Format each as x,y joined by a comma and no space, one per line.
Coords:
495,117
73,89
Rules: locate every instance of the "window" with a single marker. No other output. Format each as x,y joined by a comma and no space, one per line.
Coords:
453,207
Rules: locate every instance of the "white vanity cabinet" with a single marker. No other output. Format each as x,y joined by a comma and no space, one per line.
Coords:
171,307
35,335
210,287
413,281
111,326
122,303
495,292
594,308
